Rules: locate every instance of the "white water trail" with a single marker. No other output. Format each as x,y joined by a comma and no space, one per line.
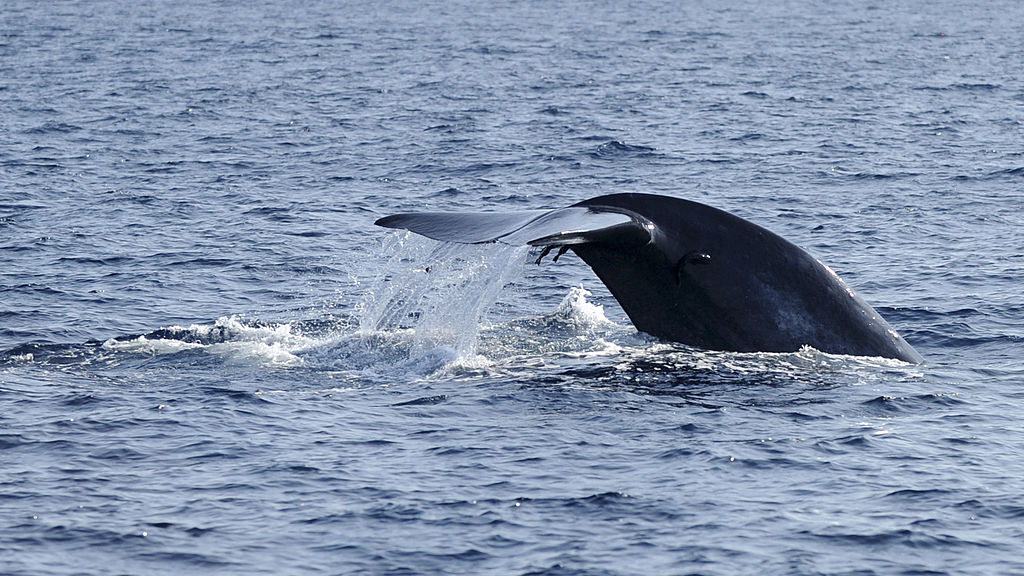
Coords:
228,337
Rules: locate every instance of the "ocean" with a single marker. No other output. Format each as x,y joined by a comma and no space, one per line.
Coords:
211,360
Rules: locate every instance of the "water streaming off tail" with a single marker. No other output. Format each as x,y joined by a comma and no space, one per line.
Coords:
432,296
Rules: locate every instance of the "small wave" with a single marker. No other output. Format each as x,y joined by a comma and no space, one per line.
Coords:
1019,171
912,538
954,335
619,149
899,404
53,128
424,401
961,86
917,494
450,192
553,111
898,175
991,175
274,213
749,137
982,86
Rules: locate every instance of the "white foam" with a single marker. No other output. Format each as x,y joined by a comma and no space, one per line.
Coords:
229,337
273,353
150,346
600,347
576,310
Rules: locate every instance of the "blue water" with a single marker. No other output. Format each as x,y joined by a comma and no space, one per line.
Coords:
212,362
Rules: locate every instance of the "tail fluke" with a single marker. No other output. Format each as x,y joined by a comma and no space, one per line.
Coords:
562,227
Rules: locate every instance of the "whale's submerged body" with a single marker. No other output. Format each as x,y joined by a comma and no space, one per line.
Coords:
690,273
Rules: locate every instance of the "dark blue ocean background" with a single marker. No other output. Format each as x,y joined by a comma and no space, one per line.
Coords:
211,361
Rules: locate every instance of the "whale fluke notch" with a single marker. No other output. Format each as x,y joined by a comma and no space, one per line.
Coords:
690,273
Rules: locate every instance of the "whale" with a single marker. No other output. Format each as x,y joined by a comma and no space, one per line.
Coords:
687,272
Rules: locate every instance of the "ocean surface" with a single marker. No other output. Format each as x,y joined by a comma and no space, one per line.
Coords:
212,362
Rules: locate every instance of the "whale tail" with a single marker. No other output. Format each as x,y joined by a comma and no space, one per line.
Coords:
562,227
690,273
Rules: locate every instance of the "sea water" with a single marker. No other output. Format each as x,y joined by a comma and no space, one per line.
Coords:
211,361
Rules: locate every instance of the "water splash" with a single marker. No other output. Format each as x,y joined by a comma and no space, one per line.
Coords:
422,314
576,310
433,296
